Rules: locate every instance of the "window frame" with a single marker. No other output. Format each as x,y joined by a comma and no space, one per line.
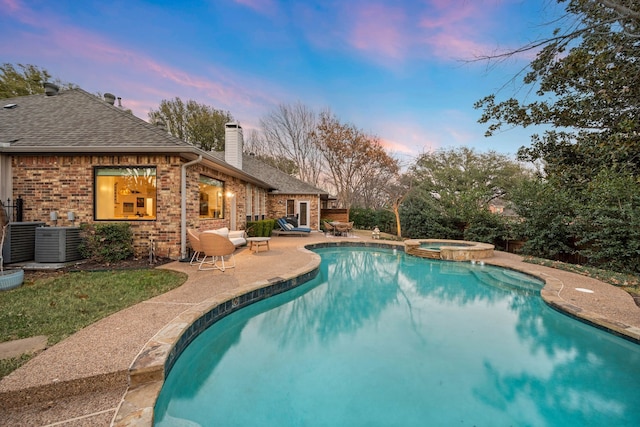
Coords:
136,202
221,195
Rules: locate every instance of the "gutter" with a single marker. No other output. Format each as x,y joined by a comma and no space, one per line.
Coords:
183,206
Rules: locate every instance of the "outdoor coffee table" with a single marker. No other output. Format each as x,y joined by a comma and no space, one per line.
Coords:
256,242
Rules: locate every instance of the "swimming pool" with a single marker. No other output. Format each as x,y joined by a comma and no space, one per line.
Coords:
381,338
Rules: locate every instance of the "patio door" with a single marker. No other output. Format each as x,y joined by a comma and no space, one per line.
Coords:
303,214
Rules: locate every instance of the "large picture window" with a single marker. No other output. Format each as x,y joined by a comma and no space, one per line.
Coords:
211,198
125,193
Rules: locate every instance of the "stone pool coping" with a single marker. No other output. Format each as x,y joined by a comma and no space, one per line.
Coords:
148,371
585,299
60,389
470,252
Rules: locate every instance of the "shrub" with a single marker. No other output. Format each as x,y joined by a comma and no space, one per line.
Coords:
423,218
368,219
110,242
487,227
260,228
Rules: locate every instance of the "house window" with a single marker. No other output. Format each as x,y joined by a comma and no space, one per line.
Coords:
291,207
257,209
125,193
211,198
248,202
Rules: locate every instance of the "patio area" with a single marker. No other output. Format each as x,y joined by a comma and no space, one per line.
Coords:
84,380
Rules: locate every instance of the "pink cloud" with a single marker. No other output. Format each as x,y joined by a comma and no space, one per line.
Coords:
263,7
16,9
452,46
457,31
11,5
141,80
378,29
393,33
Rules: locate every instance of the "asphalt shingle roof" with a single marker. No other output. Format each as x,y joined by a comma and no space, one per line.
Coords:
283,182
280,181
75,118
77,121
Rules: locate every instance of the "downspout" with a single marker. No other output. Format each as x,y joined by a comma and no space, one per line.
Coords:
319,202
183,206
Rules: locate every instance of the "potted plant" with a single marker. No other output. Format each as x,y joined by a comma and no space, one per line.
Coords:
9,279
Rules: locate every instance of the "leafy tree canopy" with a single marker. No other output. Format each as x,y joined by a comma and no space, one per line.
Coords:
23,80
198,124
585,81
462,176
452,190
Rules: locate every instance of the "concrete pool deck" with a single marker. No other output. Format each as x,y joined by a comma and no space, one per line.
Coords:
84,380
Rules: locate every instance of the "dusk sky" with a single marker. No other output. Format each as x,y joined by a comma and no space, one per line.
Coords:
399,70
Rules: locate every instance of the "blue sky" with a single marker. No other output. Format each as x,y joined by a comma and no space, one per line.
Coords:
395,69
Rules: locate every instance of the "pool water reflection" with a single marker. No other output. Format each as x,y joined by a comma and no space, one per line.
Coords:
381,338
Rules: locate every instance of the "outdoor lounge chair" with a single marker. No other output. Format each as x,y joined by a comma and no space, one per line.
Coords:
287,229
194,241
216,247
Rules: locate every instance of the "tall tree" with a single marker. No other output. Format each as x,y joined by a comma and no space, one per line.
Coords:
22,80
255,145
464,182
396,189
352,158
585,78
198,124
287,134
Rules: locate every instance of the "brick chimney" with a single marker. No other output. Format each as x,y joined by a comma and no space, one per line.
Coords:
233,144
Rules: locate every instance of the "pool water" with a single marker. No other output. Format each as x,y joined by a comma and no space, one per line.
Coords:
385,339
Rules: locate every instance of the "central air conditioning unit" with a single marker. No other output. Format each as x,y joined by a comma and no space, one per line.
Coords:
58,244
20,241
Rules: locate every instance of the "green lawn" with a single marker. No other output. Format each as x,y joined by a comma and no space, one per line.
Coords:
61,304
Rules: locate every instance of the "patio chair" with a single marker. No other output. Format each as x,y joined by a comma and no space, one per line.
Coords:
216,247
194,241
328,228
343,228
349,228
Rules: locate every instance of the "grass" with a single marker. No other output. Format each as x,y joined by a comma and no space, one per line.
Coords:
59,305
628,282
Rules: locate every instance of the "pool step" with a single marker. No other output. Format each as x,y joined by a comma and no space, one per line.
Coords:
506,281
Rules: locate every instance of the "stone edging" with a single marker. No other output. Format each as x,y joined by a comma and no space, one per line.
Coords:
473,250
550,294
147,373
154,362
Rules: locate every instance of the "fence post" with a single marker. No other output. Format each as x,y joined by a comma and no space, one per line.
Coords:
15,210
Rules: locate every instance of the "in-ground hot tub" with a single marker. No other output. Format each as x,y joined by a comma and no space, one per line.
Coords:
450,250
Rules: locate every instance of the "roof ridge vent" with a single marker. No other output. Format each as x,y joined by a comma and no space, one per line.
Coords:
50,89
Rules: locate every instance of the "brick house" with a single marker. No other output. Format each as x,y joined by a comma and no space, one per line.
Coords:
72,155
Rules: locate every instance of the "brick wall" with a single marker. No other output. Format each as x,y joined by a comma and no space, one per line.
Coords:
65,183
277,206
